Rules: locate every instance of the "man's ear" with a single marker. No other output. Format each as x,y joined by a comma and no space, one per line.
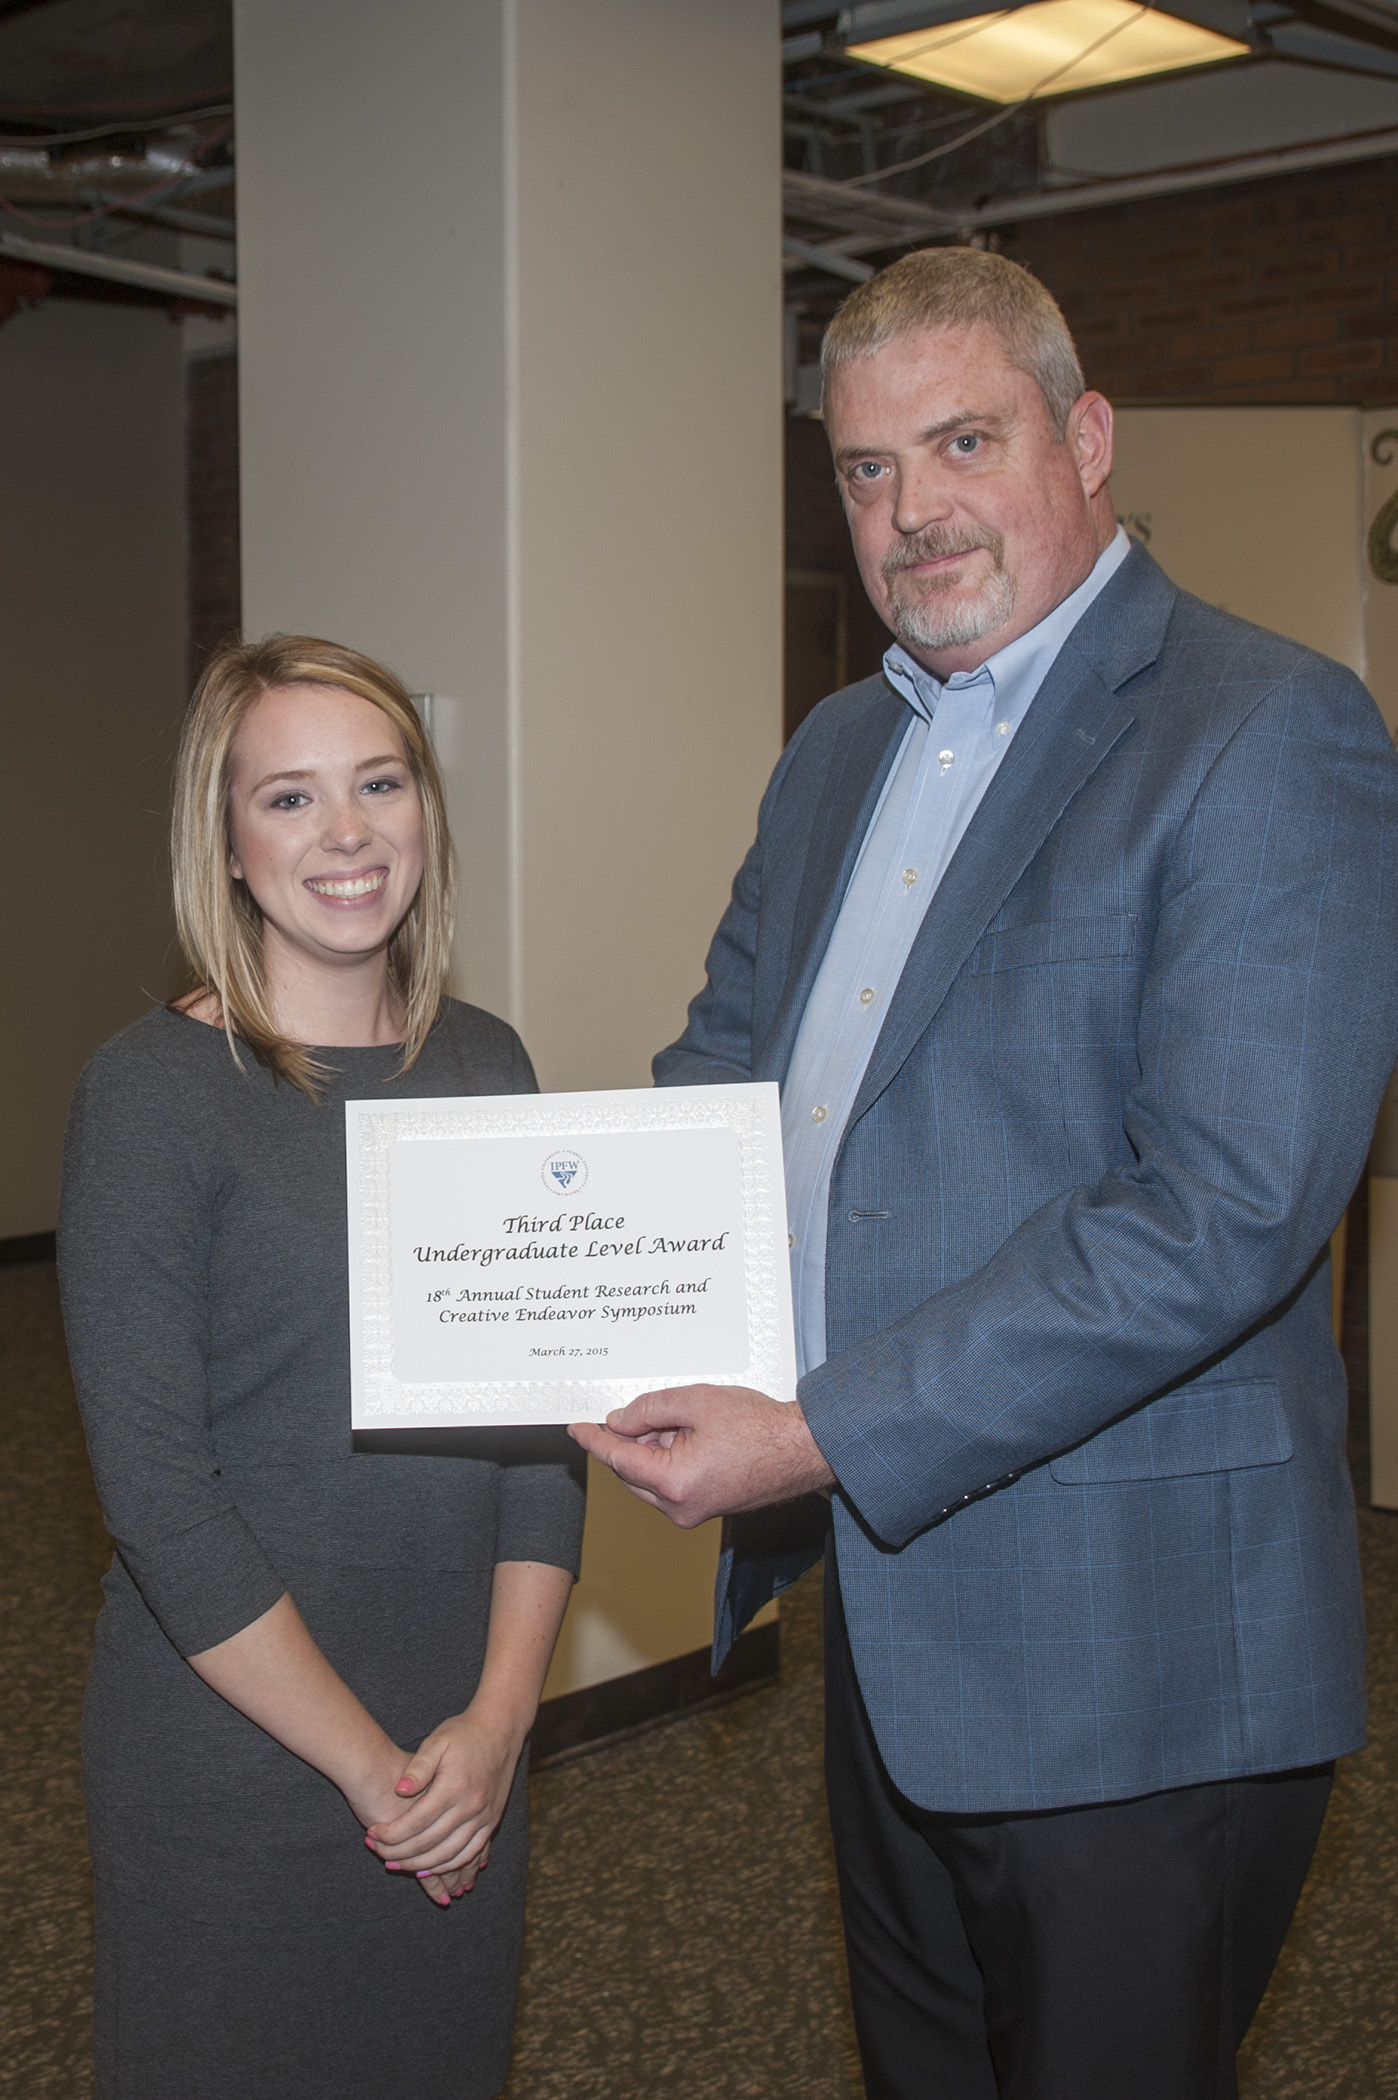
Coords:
1089,433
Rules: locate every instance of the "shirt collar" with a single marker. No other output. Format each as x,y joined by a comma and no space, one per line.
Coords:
1014,674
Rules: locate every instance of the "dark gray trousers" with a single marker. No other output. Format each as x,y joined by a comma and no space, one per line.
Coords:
1111,1952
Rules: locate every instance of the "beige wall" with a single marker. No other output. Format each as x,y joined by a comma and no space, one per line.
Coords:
92,671
1267,512
510,346
1255,509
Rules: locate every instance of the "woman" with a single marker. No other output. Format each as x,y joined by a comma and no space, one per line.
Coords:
286,1617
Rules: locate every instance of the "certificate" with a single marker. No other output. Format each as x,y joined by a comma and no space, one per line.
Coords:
533,1258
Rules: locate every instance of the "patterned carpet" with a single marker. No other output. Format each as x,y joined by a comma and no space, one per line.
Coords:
683,1937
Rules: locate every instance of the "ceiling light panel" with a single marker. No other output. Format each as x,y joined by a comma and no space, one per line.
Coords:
1049,47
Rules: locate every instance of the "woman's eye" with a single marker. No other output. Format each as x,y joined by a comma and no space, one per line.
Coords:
292,799
380,787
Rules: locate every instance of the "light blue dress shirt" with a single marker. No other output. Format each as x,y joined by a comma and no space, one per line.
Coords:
957,734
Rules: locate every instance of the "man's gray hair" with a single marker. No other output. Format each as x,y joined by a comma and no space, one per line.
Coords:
958,288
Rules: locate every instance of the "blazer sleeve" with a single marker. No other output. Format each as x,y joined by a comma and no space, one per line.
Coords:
1267,1031
135,1223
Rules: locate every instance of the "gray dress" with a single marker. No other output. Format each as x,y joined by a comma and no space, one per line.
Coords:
249,1945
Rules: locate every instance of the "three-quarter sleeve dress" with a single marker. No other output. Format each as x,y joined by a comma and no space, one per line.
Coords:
250,1947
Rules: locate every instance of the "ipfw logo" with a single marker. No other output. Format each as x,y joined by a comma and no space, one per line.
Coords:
565,1173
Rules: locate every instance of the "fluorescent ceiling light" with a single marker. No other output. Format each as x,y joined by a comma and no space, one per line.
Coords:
1049,47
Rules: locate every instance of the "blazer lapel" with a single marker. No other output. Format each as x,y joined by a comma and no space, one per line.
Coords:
844,808
1075,720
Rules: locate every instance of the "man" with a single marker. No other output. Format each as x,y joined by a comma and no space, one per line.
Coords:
1071,940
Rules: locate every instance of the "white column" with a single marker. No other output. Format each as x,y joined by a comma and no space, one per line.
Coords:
510,339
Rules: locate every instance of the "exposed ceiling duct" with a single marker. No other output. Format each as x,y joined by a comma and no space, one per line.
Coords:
145,182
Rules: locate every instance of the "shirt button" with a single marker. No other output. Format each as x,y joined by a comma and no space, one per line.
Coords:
791,1239
1002,728
818,1115
946,759
909,877
866,997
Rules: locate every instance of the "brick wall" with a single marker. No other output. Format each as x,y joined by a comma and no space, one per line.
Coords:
215,584
1278,291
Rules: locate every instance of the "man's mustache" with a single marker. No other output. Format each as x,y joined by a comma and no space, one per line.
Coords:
935,543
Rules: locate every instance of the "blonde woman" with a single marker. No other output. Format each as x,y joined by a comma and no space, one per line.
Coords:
316,1667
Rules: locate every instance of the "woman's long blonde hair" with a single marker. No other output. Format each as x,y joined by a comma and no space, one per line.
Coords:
219,923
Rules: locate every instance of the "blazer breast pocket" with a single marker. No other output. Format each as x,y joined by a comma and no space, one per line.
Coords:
1200,1429
1105,939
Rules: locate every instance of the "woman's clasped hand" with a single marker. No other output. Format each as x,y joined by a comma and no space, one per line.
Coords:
451,1798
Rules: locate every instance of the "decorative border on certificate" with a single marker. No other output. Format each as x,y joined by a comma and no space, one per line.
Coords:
546,1126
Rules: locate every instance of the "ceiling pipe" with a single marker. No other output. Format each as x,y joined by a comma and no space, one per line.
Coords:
179,221
153,277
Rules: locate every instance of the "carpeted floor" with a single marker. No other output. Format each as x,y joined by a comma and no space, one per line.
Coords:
683,1937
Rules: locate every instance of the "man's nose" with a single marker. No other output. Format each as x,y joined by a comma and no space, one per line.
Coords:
921,498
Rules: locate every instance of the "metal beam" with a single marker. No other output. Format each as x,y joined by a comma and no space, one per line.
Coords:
1167,182
171,215
826,259
153,277
863,210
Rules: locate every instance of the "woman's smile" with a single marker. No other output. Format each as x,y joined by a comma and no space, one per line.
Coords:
348,889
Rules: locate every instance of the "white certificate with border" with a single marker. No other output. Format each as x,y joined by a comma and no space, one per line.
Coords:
536,1258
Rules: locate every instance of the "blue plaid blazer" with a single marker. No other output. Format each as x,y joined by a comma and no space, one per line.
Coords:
1094,1530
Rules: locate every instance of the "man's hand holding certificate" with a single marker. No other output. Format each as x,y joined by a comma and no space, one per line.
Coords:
704,1451
543,1259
